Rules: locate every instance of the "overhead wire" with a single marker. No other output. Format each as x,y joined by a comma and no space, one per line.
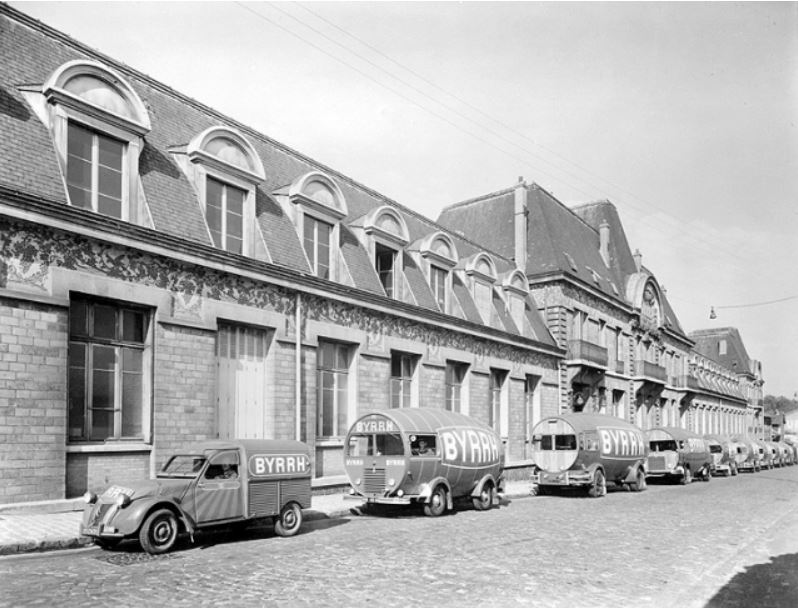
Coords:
693,242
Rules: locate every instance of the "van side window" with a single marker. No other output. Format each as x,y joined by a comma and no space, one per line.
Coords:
223,466
423,445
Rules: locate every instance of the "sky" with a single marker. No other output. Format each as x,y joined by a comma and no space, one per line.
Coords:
684,115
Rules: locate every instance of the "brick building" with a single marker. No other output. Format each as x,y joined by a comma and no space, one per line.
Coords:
627,354
169,275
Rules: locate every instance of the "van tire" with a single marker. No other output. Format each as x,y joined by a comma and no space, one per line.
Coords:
640,482
158,532
437,502
484,501
289,521
687,477
598,487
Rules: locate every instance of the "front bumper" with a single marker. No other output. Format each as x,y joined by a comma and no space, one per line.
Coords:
665,472
564,479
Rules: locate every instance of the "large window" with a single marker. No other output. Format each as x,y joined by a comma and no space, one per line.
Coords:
224,210
403,367
385,263
333,381
455,376
95,171
317,245
107,370
437,277
497,414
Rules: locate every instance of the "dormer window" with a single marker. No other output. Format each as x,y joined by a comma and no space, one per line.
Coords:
225,171
97,121
317,206
439,257
387,235
515,290
481,271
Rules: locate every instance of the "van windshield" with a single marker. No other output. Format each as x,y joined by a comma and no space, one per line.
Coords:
663,445
375,444
715,449
183,465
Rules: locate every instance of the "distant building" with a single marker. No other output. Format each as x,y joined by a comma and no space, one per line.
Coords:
724,347
627,354
170,275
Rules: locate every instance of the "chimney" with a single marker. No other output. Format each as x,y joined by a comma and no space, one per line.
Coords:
520,214
604,242
638,259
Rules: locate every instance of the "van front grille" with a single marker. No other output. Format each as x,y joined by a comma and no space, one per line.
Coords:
374,481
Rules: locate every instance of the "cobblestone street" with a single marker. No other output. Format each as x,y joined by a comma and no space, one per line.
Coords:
668,546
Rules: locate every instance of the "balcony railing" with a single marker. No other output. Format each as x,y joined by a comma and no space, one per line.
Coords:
587,351
651,370
690,382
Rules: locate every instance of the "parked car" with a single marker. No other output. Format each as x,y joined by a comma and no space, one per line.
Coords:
753,453
787,453
766,452
679,453
587,451
204,485
423,455
724,455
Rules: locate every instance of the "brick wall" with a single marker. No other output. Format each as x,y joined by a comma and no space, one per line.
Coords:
373,384
479,397
95,472
184,388
432,386
33,360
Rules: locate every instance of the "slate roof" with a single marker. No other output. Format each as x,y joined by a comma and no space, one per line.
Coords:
31,51
560,240
707,342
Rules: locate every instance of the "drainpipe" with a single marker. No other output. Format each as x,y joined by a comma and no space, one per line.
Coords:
298,366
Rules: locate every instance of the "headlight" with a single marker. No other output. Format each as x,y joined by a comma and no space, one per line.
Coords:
90,498
122,500
391,483
400,493
357,481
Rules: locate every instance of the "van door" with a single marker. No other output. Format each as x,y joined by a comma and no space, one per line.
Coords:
218,492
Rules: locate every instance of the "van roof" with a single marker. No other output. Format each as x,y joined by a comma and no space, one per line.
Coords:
425,419
251,446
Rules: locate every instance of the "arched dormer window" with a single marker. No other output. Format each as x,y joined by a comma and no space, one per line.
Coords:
481,272
516,290
320,207
439,256
97,122
226,170
387,236
642,290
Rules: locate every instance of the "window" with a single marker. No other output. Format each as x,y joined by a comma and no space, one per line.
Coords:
95,171
403,367
224,211
455,375
97,122
108,359
385,262
497,415
437,277
317,246
333,385
483,298
722,347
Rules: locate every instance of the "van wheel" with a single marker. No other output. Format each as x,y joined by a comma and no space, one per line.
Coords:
484,501
687,478
733,471
289,520
437,502
599,486
707,474
640,482
158,532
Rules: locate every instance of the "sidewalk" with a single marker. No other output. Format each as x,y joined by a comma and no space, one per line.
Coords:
54,525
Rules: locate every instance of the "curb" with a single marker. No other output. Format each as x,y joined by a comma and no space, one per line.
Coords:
78,542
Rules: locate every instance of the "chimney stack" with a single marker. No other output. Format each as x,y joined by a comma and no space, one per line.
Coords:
604,242
520,224
638,259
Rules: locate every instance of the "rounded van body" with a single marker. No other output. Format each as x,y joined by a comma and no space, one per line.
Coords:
677,452
423,455
588,450
202,485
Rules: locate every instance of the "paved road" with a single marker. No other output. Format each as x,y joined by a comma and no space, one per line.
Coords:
705,544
